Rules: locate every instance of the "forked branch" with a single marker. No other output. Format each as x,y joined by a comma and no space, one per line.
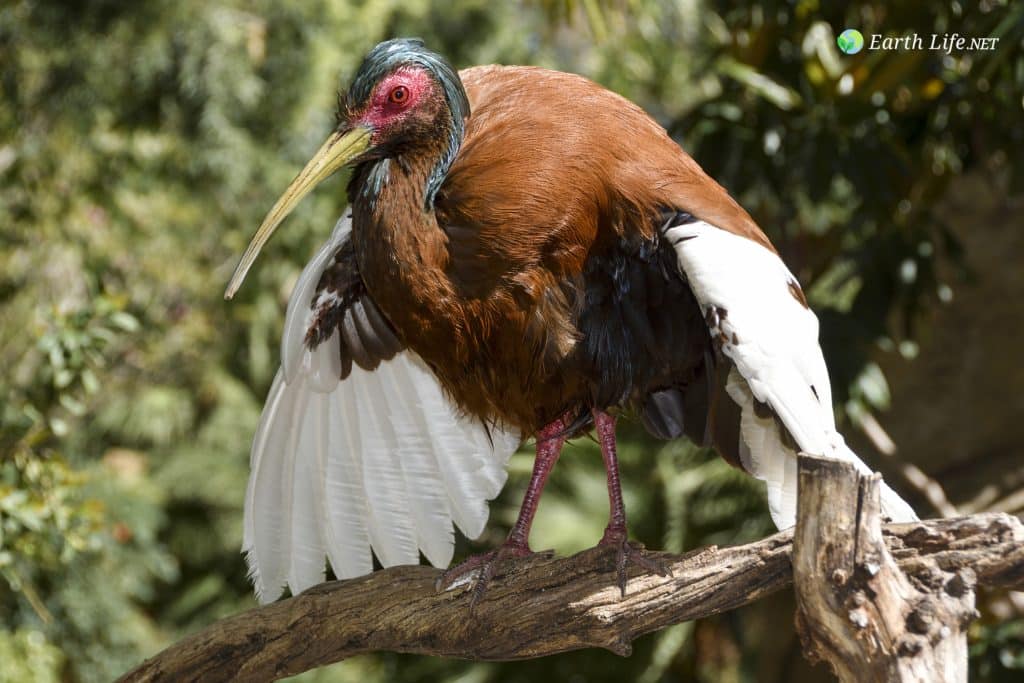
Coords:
544,606
868,618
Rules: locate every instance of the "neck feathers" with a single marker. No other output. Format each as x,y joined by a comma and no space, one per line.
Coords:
401,250
458,107
456,131
393,218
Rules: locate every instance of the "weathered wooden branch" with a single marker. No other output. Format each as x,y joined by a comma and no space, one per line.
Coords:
544,606
869,618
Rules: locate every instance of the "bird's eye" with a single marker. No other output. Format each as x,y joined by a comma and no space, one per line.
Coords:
399,95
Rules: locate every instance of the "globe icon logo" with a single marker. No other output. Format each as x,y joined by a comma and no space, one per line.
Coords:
850,41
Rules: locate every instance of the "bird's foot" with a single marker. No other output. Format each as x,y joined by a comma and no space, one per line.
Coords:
485,565
628,551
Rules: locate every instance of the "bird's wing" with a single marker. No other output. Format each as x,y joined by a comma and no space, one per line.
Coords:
330,305
757,313
381,460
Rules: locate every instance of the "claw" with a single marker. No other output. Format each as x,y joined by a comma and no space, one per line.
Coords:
630,551
485,565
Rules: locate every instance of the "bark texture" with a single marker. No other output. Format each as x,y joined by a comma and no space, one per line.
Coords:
543,606
867,616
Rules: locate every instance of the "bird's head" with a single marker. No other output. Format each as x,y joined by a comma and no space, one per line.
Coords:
403,95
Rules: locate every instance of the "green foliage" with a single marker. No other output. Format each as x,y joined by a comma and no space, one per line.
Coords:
140,144
997,652
843,159
26,656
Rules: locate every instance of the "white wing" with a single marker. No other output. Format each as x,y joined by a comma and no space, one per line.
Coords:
754,306
381,461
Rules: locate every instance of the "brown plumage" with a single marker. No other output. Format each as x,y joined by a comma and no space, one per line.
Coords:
526,233
555,173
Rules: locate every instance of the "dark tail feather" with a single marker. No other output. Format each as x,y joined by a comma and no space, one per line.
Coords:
662,413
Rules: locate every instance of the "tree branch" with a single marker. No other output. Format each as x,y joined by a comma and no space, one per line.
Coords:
869,619
542,606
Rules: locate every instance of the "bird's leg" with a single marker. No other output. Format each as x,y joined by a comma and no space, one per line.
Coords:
550,440
615,534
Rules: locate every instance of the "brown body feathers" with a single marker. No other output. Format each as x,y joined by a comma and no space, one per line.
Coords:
539,284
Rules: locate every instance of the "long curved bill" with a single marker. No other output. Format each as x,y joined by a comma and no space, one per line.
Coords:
340,148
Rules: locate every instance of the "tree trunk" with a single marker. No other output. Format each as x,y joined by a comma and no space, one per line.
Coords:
858,610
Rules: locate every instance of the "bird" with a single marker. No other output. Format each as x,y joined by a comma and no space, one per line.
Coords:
525,254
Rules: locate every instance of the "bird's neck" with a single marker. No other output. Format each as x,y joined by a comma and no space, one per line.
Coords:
401,249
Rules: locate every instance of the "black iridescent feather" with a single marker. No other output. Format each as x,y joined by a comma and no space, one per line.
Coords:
642,335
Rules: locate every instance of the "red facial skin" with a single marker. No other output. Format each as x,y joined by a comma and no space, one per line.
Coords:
386,110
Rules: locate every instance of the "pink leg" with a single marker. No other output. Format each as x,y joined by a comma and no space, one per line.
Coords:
550,440
615,534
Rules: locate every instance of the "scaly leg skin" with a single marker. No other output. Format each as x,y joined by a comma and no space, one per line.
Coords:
615,534
550,440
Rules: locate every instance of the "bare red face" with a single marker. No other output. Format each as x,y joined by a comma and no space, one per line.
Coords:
394,100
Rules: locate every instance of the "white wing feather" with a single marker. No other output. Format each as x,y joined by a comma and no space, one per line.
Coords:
772,340
307,538
381,461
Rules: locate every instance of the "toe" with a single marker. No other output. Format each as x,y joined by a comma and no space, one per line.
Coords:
628,552
485,567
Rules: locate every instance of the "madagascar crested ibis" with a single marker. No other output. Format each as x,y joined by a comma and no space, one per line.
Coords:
525,253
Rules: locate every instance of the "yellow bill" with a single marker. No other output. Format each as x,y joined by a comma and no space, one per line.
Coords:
339,150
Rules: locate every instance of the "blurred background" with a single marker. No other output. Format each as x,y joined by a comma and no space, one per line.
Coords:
141,144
